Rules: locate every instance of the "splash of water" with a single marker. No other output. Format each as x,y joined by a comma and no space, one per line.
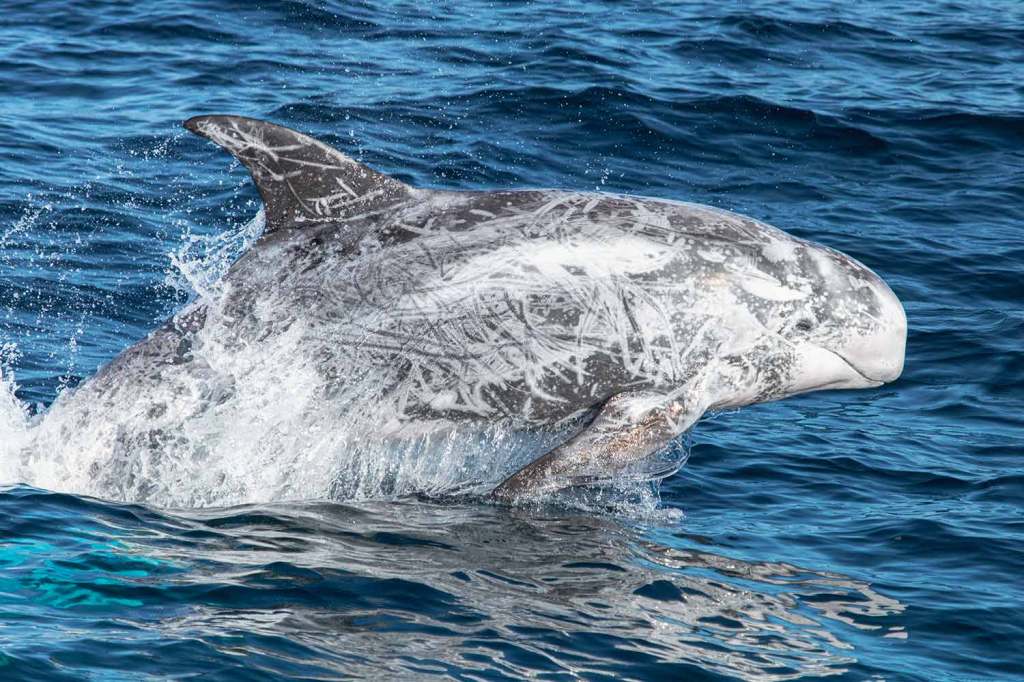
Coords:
200,262
14,426
13,413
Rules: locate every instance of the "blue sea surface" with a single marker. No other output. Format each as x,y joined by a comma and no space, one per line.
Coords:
861,535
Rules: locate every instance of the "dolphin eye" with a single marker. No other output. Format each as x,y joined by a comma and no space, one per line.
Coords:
804,325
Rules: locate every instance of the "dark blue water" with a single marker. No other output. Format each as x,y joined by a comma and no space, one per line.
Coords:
870,535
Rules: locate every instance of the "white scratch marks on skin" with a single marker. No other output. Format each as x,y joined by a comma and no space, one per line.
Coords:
779,250
768,288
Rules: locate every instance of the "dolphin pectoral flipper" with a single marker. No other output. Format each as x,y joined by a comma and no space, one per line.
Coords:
301,180
629,428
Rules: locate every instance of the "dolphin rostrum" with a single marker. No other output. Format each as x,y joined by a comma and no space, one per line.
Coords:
615,321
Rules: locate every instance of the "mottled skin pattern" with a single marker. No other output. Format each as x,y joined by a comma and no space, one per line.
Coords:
419,309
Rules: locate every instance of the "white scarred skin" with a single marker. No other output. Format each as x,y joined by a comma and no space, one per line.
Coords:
402,320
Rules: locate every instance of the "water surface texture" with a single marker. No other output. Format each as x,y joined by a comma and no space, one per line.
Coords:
861,535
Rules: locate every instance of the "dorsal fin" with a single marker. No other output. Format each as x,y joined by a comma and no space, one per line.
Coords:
302,181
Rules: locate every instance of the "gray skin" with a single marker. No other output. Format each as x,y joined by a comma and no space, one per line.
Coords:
615,320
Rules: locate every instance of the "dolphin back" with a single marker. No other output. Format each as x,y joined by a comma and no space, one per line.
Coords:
302,181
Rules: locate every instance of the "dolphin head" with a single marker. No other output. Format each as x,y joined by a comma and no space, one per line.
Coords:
857,318
849,332
828,321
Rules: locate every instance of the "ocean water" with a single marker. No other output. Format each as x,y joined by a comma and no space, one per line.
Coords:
854,535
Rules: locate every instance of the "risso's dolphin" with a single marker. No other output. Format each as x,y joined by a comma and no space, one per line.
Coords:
614,320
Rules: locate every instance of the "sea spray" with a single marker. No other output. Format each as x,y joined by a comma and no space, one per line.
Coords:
14,425
200,261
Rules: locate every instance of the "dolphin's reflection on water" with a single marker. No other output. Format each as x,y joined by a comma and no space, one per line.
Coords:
409,588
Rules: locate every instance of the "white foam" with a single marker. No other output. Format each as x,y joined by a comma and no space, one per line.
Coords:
14,427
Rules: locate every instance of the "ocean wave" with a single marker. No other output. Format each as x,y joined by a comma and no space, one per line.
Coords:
764,26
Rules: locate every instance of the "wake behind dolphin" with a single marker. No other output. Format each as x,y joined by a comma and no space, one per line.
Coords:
524,341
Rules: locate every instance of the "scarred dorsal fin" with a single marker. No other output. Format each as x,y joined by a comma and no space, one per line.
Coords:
302,181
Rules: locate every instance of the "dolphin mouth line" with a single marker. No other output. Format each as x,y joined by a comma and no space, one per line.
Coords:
875,382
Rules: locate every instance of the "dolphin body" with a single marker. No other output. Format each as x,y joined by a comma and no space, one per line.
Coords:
614,322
